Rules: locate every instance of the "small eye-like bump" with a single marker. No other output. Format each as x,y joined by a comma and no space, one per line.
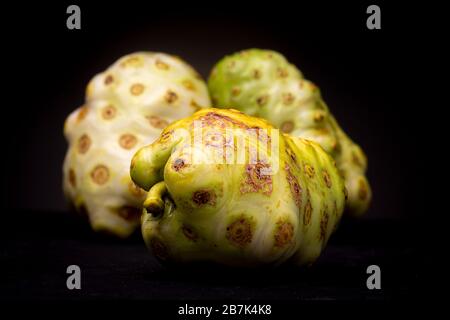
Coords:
257,74
287,126
307,215
82,113
137,89
170,97
323,226
262,100
84,143
318,117
159,249
161,65
178,164
100,174
135,61
257,179
188,84
127,141
284,234
362,189
231,64
189,233
326,178
296,189
195,105
309,170
288,98
72,178
157,122
109,112
202,197
356,160
129,213
108,79
239,233
282,73
235,91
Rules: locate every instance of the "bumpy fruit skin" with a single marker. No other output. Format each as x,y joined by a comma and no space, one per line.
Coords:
204,204
126,108
263,83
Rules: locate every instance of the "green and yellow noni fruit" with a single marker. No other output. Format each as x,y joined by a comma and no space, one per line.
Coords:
263,83
228,188
126,107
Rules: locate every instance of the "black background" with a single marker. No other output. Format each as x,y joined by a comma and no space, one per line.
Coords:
369,78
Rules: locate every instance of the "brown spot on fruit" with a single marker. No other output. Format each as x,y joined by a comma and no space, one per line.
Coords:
202,197
129,213
72,178
135,190
282,73
212,119
159,249
345,193
195,105
318,117
137,89
262,100
170,97
108,112
288,98
189,233
235,91
356,160
108,79
323,225
326,178
82,113
287,126
309,170
362,190
239,233
307,215
127,141
215,139
256,74
161,65
100,174
135,61
188,84
255,180
178,164
84,143
284,234
157,122
165,136
296,190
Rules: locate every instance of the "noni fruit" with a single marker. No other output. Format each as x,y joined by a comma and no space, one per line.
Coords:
263,83
126,107
228,188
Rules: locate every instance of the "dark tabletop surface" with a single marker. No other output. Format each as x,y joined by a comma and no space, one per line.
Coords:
39,246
